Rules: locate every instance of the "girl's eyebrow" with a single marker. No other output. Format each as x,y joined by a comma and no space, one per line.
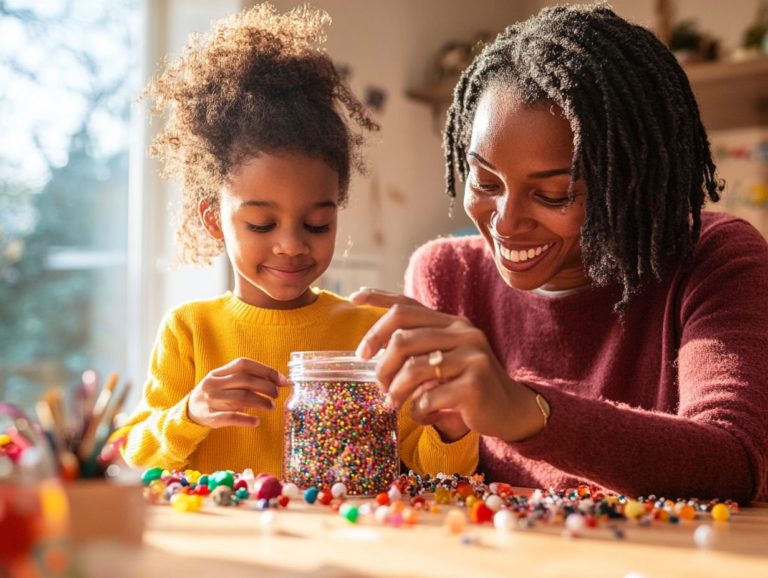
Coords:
272,204
535,175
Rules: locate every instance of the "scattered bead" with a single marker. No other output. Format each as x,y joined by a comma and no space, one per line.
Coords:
310,495
704,536
720,513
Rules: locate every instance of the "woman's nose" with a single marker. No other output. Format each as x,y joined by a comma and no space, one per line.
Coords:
511,217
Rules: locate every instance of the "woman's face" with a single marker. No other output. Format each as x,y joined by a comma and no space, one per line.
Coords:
517,192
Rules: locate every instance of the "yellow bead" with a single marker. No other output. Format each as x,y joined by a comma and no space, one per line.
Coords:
5,439
442,495
470,501
720,513
634,509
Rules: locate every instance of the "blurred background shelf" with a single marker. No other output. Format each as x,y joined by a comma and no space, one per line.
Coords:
731,94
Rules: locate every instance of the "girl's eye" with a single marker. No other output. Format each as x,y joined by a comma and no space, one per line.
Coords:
557,202
260,228
317,228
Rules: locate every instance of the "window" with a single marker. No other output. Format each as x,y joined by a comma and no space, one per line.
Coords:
68,81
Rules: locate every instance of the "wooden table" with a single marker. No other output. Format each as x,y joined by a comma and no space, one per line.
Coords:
309,540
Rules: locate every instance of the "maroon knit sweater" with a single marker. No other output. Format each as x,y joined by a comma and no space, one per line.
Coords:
672,402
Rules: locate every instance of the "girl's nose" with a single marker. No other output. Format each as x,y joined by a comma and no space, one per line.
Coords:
290,243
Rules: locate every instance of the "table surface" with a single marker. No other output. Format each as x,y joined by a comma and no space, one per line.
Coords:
312,540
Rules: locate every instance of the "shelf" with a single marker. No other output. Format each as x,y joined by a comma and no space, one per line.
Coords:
730,94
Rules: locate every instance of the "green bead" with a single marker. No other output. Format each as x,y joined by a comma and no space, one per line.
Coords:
221,478
151,475
242,493
350,512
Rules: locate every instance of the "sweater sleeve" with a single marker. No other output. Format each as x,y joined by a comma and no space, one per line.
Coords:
160,432
421,448
715,444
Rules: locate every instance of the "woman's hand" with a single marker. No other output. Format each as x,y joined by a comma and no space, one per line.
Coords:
468,381
222,397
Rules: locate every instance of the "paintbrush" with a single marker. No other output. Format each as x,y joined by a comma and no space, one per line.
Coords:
88,441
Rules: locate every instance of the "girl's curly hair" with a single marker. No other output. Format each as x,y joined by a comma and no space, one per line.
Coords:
258,83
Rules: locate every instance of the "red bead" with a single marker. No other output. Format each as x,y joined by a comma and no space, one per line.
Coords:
481,513
241,483
324,497
382,499
464,489
282,501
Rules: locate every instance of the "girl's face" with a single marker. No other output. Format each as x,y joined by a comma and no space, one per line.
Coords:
516,192
277,218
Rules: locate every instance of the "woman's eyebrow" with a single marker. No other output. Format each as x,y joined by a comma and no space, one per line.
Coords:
534,175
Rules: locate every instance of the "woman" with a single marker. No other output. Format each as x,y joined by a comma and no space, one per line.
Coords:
602,328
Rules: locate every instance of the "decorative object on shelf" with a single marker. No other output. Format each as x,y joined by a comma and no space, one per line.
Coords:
455,56
689,44
754,43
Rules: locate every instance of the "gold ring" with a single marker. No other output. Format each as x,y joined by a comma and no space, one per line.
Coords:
435,359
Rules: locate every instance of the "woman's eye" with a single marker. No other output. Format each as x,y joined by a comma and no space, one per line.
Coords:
482,187
260,228
317,228
553,201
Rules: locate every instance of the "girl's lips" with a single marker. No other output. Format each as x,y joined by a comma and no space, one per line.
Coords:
289,274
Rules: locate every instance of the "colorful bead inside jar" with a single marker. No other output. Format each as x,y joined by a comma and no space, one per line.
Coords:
337,426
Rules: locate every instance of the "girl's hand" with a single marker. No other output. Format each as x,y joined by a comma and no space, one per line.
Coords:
220,399
468,381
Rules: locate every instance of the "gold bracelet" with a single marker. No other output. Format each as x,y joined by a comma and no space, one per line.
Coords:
543,408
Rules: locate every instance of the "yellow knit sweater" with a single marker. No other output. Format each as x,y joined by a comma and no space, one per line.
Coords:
198,337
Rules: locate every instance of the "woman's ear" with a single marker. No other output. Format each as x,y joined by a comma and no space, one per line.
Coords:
209,217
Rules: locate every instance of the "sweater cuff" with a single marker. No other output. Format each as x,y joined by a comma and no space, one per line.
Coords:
186,432
460,455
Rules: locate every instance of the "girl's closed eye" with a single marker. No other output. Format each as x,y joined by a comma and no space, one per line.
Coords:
260,228
317,229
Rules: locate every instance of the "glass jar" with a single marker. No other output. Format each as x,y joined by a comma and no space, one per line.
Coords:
34,513
337,427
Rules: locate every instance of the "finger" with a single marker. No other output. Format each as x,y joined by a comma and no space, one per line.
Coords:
400,316
234,419
249,366
446,397
416,344
379,298
237,400
415,377
241,381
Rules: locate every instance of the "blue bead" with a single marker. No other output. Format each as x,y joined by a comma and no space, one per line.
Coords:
310,495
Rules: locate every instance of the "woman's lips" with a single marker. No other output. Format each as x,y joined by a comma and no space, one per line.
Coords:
522,258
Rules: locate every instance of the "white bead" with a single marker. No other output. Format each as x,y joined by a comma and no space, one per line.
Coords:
394,494
575,523
338,490
504,520
381,514
494,502
704,536
290,490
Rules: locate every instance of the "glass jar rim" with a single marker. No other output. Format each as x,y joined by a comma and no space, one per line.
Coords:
331,365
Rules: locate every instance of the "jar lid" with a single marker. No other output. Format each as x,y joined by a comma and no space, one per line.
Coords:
331,365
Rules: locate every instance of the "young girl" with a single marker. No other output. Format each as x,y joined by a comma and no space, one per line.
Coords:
256,133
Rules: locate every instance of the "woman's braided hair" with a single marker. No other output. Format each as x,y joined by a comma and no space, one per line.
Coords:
639,143
259,83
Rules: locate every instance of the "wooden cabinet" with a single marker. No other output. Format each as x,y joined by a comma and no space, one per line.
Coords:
730,94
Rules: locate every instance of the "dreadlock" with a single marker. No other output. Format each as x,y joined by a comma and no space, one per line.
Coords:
639,143
258,83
